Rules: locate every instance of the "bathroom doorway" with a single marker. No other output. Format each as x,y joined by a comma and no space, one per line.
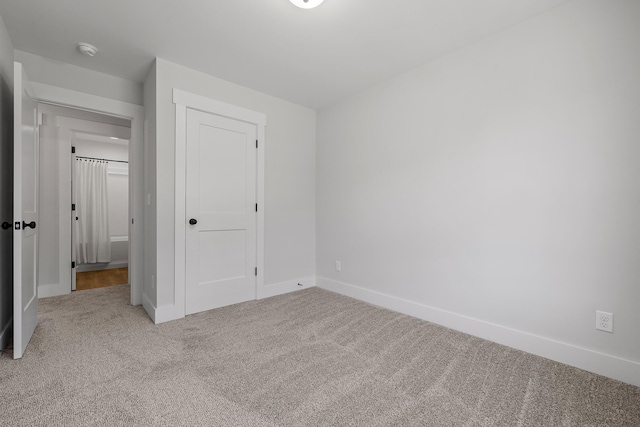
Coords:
84,199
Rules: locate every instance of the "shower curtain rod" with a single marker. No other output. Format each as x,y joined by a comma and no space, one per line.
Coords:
104,160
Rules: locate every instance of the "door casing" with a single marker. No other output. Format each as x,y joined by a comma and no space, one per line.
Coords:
184,100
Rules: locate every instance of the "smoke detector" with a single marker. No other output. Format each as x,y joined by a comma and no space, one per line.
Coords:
87,49
306,4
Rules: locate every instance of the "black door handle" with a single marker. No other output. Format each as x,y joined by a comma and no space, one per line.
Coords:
193,221
31,224
6,225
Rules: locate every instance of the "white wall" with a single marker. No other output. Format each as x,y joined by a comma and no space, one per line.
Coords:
497,190
53,279
6,185
149,294
118,151
289,177
118,186
80,79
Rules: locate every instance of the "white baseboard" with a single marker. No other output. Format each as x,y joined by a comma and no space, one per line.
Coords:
267,291
607,365
5,335
149,307
167,313
161,314
53,290
172,312
83,268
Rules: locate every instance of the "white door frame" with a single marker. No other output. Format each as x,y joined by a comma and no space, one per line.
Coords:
183,101
69,98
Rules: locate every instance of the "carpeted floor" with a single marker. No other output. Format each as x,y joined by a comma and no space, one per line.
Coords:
310,358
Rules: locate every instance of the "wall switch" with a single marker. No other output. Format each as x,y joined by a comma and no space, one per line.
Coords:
604,321
338,266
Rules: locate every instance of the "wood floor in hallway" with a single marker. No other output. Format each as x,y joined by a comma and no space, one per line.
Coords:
102,278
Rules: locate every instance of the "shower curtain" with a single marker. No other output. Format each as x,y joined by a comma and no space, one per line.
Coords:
93,242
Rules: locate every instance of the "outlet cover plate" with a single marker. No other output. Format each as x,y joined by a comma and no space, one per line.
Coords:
604,321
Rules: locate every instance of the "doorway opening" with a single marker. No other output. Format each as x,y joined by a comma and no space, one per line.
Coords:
85,209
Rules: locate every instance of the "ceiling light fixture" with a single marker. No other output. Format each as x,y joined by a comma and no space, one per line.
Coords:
87,49
306,4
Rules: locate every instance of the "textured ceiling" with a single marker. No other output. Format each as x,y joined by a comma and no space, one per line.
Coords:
311,57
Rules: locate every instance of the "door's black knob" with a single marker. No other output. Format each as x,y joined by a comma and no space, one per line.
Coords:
31,224
6,225
193,221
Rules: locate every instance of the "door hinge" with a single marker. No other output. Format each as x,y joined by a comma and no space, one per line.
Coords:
256,271
131,220
73,206
256,207
256,143
73,150
73,264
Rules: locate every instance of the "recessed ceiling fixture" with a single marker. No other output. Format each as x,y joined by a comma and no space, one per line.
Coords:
306,4
87,49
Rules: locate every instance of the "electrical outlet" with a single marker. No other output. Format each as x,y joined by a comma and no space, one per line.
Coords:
338,266
604,321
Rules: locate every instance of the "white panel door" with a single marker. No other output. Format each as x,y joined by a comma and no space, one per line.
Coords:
220,211
74,218
25,213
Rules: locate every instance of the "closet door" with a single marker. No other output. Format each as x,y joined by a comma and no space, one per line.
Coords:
221,211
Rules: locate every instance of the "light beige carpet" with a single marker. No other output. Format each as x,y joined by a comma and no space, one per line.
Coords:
310,358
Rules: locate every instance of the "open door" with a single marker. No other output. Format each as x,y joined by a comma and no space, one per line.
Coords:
25,212
74,219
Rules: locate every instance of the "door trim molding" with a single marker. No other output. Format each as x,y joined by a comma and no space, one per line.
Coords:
184,100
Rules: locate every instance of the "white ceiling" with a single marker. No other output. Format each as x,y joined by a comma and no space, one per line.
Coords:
94,137
311,57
